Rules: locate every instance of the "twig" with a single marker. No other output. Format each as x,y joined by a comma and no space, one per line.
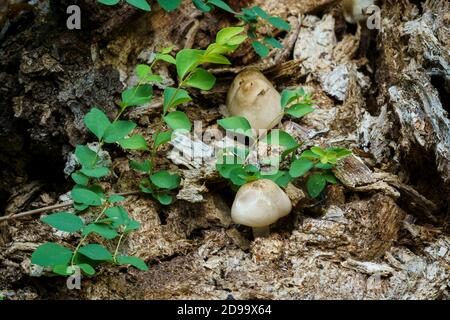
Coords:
54,207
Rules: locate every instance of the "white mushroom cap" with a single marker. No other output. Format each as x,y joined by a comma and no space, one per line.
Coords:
252,96
260,203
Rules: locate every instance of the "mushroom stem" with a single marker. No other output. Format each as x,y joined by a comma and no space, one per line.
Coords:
261,232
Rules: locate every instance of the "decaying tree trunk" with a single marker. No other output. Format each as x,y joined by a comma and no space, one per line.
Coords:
381,234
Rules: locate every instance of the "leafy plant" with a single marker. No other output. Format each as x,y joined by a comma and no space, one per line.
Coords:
111,221
255,18
233,163
188,64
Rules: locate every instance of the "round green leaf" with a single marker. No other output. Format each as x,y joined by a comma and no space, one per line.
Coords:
140,4
85,156
51,254
118,130
174,97
109,2
96,172
64,221
187,60
300,167
96,121
165,180
87,268
86,197
134,261
136,96
135,142
201,79
299,110
169,5
178,120
96,252
163,198
315,185
101,229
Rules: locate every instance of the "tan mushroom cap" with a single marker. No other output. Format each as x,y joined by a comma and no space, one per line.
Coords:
252,96
354,10
260,203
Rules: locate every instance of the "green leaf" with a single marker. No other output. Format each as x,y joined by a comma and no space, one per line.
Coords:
330,178
85,196
96,172
96,252
80,178
143,71
162,138
80,207
283,139
116,198
235,123
165,180
318,151
187,60
63,270
102,229
238,176
315,185
226,169
96,121
64,221
109,2
287,96
222,5
169,5
51,254
260,12
135,142
167,50
135,262
308,154
260,49
132,225
85,156
226,34
324,166
140,4
300,167
118,130
201,79
178,120
273,42
136,96
119,216
142,167
299,110
174,97
279,23
86,268
165,57
281,178
200,5
215,58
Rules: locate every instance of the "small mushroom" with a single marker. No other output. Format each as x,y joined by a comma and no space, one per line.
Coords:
355,10
252,96
258,204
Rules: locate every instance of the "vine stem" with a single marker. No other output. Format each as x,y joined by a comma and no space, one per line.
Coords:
56,206
158,130
117,247
85,237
